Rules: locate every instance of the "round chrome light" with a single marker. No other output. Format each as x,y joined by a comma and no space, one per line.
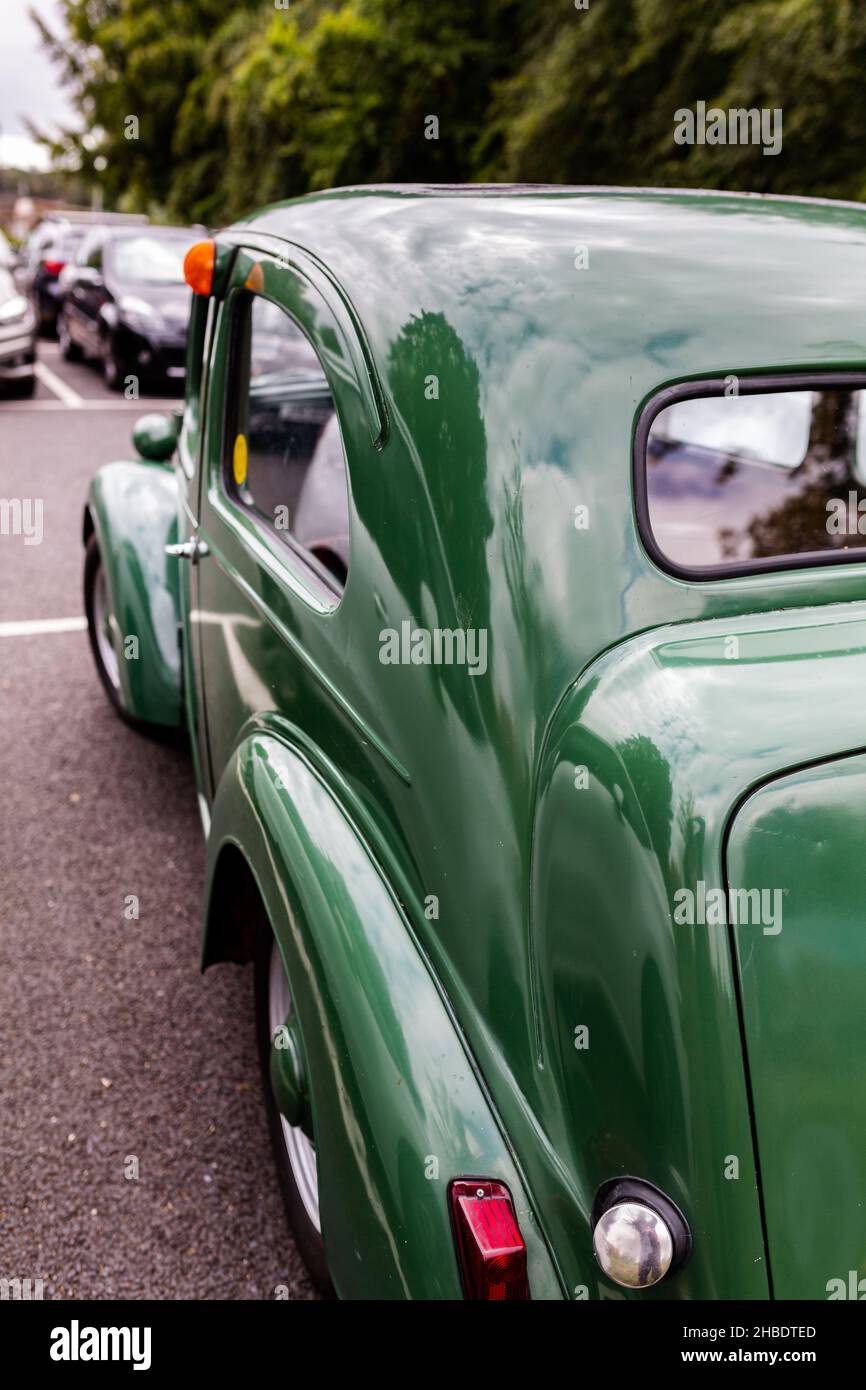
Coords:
633,1244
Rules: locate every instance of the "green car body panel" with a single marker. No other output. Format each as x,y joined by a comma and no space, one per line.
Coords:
488,386
672,734
398,1105
803,1004
132,507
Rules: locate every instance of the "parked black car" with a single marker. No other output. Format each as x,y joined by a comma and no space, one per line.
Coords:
17,337
50,247
126,304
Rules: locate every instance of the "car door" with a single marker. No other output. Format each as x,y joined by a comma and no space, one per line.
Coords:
188,464
86,297
286,411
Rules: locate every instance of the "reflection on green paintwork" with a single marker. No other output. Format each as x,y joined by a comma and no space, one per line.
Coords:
549,1025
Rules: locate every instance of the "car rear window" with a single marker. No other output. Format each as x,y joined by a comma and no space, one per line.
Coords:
734,477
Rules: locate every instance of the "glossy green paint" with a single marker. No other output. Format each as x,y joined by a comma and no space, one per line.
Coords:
803,1002
672,731
133,509
155,436
553,904
199,335
398,1106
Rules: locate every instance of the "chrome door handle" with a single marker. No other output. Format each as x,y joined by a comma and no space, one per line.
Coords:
192,550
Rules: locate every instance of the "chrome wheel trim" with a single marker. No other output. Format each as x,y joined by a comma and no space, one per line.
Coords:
300,1149
102,630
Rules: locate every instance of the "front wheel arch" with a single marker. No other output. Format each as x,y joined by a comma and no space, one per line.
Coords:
132,509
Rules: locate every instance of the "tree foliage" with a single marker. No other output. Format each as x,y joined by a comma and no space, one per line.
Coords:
238,105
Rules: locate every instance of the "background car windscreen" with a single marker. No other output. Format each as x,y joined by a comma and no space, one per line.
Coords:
149,260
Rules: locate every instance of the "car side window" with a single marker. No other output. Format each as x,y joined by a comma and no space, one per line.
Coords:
761,479
94,256
284,452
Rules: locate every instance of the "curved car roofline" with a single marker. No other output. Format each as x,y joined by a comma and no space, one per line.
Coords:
278,220
524,190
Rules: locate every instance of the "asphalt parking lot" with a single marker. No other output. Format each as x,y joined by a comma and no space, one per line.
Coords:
134,1154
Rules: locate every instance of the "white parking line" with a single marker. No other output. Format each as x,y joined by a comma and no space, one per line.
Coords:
36,626
57,387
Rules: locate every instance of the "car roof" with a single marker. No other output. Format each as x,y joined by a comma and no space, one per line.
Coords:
644,285
280,216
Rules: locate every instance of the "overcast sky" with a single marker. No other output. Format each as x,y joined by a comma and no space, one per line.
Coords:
29,85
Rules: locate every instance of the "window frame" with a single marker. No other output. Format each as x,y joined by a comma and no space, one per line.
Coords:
756,385
314,573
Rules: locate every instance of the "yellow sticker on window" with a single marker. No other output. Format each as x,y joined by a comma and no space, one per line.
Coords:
239,460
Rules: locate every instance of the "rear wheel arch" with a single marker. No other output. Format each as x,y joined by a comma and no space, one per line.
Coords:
395,1084
236,908
240,930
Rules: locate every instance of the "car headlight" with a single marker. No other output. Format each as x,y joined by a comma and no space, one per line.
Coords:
14,308
139,314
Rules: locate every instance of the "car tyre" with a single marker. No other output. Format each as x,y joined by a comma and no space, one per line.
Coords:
23,388
289,1145
47,318
112,373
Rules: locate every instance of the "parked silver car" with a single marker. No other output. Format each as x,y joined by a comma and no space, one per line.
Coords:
18,330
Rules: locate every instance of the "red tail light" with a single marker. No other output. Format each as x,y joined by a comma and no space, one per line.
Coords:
490,1248
53,267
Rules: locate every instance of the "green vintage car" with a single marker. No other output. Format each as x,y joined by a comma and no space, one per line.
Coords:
507,570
